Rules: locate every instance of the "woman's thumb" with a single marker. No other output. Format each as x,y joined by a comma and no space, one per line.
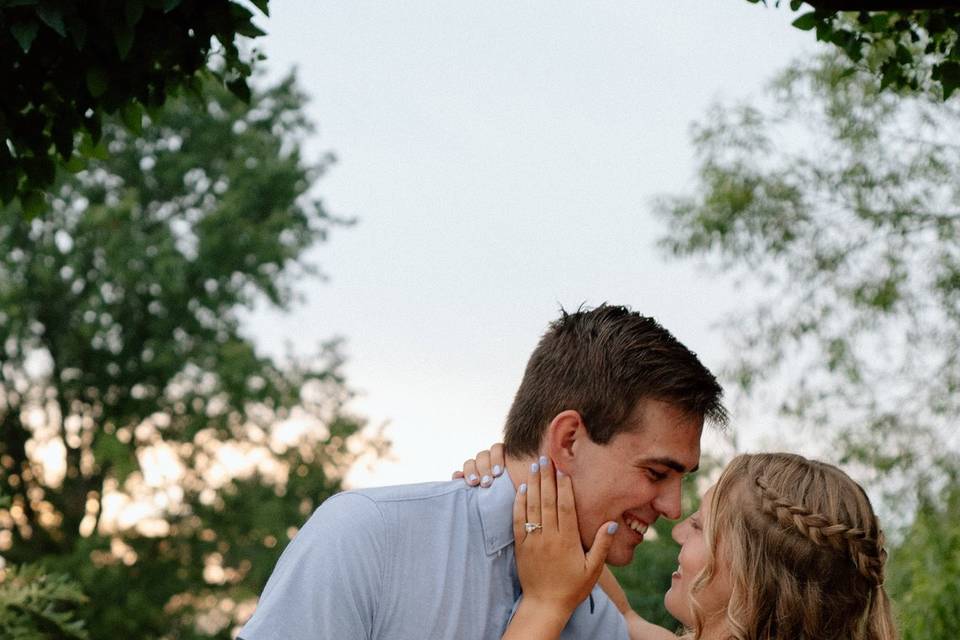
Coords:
601,546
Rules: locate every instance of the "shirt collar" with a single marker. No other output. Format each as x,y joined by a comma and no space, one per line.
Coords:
496,513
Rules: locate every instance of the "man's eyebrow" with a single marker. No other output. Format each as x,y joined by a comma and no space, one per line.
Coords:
669,463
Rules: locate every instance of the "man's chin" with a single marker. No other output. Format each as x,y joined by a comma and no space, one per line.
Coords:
620,556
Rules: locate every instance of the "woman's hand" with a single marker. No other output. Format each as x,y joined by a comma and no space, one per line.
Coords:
550,559
555,573
482,469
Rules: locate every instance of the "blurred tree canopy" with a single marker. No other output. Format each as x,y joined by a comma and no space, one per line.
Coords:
151,453
835,204
925,570
908,49
68,63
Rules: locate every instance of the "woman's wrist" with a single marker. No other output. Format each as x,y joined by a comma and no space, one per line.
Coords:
546,618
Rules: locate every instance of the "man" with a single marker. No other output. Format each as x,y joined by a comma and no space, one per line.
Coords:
610,396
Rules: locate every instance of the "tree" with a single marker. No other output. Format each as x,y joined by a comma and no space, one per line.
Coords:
122,350
35,606
909,48
925,566
68,63
837,204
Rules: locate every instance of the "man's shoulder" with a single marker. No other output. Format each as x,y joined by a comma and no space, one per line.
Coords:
424,491
384,503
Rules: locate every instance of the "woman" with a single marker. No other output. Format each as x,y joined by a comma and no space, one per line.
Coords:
782,548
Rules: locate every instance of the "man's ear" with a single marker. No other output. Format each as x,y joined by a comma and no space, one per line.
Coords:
562,433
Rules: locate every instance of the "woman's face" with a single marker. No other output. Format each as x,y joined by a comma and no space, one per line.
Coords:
715,595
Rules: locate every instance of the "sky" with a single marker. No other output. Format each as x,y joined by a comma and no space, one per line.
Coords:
501,160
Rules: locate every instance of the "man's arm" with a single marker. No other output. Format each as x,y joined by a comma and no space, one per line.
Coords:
328,581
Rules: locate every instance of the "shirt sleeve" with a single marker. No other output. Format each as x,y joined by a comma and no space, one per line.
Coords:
328,579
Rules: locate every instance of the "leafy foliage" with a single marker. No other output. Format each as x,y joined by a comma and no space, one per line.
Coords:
68,63
908,49
151,452
39,606
924,570
837,204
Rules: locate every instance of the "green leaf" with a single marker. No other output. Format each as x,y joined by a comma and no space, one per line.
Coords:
76,164
110,452
123,38
96,81
133,9
93,150
8,185
948,73
24,32
250,30
62,133
903,55
100,151
32,202
40,170
78,32
94,126
890,74
795,4
242,22
240,89
132,116
806,22
262,5
879,22
50,13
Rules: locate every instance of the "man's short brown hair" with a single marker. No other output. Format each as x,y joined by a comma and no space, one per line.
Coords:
601,362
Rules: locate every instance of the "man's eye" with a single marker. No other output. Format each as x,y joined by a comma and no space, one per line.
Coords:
655,475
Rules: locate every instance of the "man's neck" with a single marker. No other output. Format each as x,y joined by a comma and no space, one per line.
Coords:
519,468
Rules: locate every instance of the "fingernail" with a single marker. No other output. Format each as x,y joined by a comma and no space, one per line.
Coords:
543,461
612,528
534,468
485,481
523,489
560,473
472,479
497,470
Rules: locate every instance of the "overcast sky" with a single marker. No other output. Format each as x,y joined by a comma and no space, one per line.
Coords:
501,158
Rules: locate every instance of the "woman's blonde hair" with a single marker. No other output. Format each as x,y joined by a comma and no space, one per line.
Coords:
803,550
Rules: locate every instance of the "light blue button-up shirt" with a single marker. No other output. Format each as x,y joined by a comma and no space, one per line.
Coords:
410,562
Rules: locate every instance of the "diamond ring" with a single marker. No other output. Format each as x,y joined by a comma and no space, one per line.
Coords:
530,527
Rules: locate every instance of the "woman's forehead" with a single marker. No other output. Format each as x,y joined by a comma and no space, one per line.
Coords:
707,497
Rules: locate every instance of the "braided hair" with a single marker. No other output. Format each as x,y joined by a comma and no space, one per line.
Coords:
803,549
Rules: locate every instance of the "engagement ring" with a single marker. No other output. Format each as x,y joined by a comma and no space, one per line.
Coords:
530,527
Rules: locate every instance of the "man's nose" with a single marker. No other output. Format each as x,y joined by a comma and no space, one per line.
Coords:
668,502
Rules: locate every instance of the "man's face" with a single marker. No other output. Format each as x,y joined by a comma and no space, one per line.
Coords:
635,478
